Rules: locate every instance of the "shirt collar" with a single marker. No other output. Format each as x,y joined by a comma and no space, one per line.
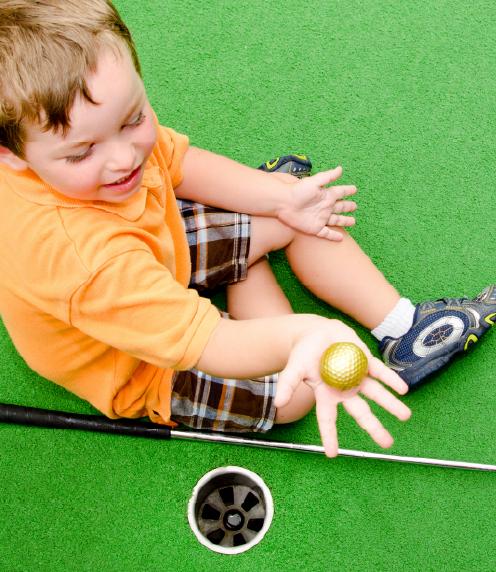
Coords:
30,187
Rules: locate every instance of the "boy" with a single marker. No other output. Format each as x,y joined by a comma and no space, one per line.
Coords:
97,288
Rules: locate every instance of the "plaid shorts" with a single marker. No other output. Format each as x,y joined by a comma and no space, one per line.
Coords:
219,243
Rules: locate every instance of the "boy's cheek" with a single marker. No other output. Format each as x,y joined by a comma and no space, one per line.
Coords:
149,140
153,133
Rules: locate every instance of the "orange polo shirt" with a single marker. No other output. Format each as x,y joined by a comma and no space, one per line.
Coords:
95,295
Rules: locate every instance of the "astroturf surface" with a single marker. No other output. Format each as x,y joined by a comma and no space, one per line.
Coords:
402,94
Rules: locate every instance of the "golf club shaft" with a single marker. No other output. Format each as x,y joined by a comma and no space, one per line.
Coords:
302,448
47,418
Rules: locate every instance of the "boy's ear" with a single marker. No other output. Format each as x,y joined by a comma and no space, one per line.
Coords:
13,161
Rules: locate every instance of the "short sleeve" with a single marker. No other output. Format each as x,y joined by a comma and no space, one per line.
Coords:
171,148
133,303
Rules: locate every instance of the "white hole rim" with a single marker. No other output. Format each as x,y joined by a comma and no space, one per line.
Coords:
269,509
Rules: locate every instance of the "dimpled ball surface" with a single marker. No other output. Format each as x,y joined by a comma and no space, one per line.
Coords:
343,365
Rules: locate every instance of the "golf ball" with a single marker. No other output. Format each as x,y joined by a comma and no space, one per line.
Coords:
343,365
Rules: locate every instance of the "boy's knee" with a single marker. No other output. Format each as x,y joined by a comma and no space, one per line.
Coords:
300,405
292,412
267,235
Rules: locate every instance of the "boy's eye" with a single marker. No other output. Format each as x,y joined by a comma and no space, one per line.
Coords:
81,157
138,120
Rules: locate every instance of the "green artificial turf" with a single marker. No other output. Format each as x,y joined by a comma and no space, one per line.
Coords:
403,95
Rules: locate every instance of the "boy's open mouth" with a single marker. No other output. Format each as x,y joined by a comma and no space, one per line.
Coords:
124,181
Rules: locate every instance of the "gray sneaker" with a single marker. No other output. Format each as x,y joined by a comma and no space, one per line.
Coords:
297,165
441,329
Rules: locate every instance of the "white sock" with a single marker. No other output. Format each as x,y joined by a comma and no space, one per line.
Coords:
397,322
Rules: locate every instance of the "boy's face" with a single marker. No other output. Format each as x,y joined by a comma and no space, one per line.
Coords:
103,155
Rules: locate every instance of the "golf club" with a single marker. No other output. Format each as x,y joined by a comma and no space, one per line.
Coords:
47,418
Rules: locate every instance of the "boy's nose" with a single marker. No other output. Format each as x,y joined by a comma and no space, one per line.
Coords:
122,158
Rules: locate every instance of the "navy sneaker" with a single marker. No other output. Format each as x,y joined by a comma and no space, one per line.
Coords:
297,165
441,329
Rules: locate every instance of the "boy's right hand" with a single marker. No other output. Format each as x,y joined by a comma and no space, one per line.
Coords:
314,208
303,366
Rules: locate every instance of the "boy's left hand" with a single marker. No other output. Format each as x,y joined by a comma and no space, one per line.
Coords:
303,366
313,208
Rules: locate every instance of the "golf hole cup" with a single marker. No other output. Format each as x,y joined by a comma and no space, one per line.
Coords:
230,510
343,365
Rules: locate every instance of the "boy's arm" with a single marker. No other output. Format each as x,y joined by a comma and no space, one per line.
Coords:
293,345
218,181
256,347
151,317
307,205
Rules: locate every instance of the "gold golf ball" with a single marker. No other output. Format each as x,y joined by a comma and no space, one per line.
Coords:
343,365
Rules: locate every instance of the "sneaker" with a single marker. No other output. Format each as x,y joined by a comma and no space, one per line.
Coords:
441,329
297,165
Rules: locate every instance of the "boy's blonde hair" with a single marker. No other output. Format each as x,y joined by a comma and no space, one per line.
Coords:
47,50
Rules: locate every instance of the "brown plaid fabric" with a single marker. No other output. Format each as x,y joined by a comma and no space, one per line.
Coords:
219,243
202,401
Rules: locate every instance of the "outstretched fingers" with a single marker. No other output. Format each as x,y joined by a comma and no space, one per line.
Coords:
323,178
330,234
327,413
382,372
344,207
341,220
376,392
340,192
287,382
360,410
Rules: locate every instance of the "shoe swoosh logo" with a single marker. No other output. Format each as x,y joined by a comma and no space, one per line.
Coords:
490,319
472,339
272,164
458,327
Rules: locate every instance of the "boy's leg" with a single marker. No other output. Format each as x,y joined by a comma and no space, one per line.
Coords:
416,341
219,243
260,296
339,273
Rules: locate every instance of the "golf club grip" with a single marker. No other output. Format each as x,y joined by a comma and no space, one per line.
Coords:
20,415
